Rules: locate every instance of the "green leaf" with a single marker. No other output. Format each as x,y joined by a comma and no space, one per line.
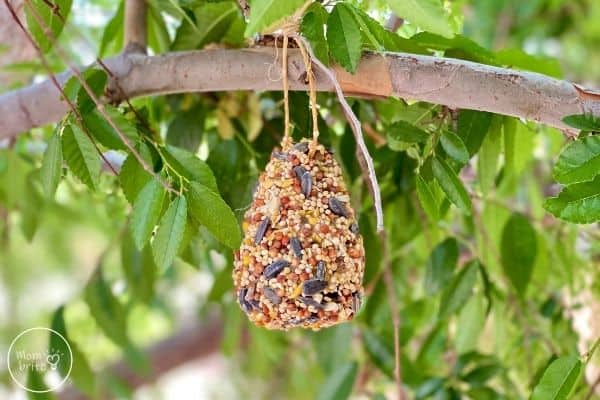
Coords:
106,309
489,154
213,20
427,199
403,132
96,81
113,31
454,147
578,203
139,269
470,324
559,379
187,128
585,122
440,266
81,373
518,251
81,155
51,170
343,37
104,133
264,14
518,147
146,212
516,58
133,177
427,14
190,166
460,290
338,385
451,185
473,127
380,351
313,29
40,18
210,210
579,161
32,204
170,231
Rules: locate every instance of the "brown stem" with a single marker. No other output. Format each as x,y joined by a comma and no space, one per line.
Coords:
135,25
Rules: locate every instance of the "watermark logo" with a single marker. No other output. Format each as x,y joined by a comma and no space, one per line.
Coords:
40,360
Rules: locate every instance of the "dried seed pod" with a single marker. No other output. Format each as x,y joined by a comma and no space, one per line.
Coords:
301,263
275,268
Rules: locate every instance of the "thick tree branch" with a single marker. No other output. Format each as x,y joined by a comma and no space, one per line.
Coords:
450,82
135,25
192,343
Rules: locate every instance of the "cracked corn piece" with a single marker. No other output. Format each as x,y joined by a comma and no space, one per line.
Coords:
302,261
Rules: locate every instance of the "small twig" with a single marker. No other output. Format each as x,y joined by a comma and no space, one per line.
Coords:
244,7
90,92
388,278
362,151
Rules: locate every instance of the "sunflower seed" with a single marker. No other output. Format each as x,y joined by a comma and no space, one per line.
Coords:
296,246
302,147
321,270
299,171
280,155
271,295
354,228
310,302
306,184
313,286
356,302
275,268
337,207
246,306
262,229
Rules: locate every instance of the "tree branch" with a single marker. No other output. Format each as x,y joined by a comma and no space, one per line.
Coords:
135,26
450,82
192,343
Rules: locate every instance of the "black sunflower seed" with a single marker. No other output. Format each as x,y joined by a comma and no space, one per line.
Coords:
296,246
354,228
271,295
337,207
246,306
280,155
299,171
313,286
321,270
262,229
275,268
306,184
302,147
310,302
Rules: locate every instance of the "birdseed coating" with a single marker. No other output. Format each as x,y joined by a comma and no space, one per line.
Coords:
301,262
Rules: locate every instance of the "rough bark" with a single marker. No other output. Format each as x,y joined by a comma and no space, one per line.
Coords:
450,82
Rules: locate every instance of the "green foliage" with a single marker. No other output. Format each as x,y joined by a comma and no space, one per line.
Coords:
427,14
518,251
265,13
146,212
343,37
51,170
578,203
451,185
559,379
579,161
44,23
169,235
81,155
